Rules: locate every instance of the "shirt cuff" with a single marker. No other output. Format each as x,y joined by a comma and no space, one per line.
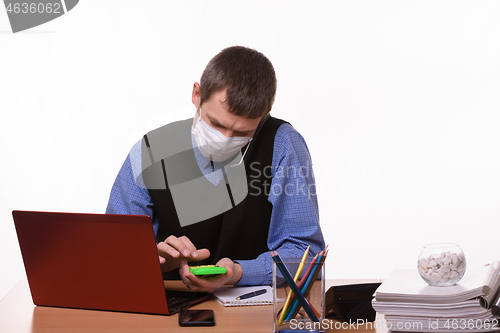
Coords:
254,272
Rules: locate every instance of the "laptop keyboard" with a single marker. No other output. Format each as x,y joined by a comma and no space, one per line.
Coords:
177,298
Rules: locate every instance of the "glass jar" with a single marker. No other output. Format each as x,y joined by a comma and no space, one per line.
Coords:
441,264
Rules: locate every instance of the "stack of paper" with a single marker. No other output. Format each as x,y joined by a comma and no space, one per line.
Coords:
410,304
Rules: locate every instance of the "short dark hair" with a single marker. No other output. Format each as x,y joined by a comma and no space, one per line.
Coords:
248,78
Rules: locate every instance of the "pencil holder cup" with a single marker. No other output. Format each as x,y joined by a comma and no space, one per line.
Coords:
289,311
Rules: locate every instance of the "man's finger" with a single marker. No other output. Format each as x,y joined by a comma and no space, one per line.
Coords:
179,245
189,246
200,254
164,248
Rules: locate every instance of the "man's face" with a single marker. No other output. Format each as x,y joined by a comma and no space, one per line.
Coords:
215,114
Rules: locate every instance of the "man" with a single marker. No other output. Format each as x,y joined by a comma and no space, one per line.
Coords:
227,185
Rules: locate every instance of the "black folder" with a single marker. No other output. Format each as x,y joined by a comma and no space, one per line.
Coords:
351,302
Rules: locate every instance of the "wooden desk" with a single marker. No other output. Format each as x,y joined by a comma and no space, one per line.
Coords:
19,315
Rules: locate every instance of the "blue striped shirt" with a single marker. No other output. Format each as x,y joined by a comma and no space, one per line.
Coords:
294,220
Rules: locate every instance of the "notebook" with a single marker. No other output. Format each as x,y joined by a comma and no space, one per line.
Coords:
96,261
227,296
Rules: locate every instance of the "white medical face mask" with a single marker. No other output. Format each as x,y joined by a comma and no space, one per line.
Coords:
213,144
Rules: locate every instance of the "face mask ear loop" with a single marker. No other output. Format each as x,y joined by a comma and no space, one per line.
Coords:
197,122
242,157
199,117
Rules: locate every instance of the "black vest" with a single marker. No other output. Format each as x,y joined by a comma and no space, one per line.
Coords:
239,233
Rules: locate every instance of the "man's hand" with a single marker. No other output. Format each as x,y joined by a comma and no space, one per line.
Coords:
197,283
176,249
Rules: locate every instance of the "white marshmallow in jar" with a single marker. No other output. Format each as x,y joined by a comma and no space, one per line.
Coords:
441,264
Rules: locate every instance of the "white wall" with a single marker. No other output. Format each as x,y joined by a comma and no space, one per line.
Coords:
398,102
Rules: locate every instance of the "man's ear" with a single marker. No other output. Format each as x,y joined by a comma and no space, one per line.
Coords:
196,96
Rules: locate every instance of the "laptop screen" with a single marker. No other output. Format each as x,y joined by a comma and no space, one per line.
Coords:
92,261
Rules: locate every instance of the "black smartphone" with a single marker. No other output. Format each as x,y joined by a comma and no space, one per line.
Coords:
196,318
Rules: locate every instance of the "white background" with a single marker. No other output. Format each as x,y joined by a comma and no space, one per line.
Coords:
398,102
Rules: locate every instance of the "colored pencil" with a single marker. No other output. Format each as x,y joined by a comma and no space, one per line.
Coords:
295,279
301,284
306,288
288,278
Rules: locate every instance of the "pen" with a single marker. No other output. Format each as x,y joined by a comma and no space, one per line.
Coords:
252,294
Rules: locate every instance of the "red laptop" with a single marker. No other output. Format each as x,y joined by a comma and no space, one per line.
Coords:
96,261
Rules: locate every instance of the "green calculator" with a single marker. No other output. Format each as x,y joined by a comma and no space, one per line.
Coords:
207,270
